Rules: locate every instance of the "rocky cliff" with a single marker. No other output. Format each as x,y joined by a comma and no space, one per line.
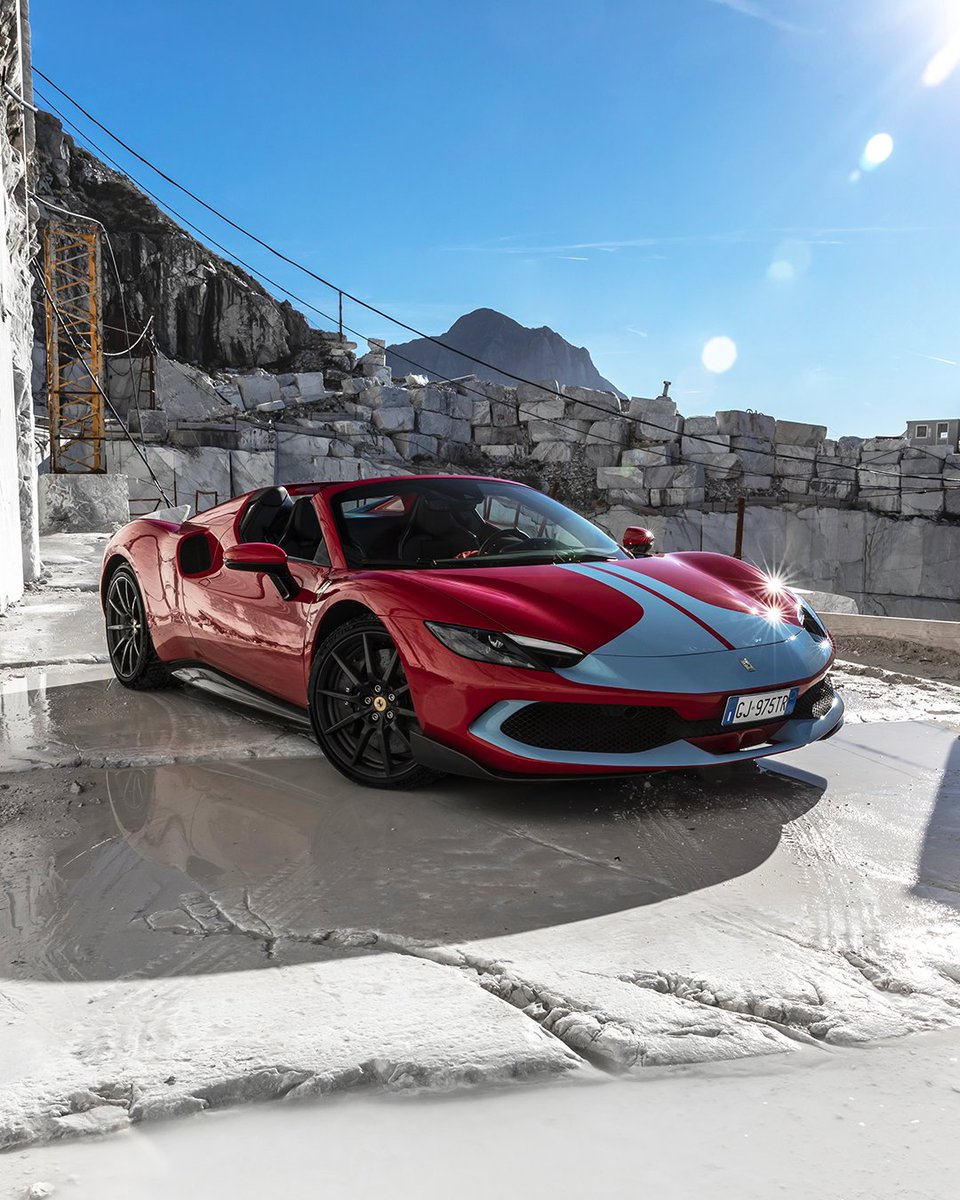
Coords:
206,311
487,334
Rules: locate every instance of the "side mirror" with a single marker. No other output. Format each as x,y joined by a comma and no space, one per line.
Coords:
638,541
263,558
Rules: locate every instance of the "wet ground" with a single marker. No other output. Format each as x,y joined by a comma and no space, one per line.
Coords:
229,865
80,716
196,910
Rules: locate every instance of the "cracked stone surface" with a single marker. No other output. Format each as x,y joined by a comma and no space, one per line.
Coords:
877,1123
93,1057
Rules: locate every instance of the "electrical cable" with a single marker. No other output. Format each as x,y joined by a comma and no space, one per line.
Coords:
133,345
298,265
120,290
96,383
237,259
548,391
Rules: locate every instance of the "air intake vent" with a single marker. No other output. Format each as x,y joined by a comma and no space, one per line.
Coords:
609,728
816,701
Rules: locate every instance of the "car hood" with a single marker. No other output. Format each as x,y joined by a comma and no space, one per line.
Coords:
666,605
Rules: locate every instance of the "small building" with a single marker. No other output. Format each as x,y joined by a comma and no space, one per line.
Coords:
935,433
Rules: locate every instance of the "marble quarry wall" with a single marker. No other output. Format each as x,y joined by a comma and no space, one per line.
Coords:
19,545
205,310
875,519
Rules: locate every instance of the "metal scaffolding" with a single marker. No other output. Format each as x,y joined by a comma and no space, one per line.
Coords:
74,348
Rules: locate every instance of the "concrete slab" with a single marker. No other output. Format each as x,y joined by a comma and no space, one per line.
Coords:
72,560
637,923
52,625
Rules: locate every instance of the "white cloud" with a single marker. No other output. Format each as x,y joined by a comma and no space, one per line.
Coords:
729,237
950,362
746,8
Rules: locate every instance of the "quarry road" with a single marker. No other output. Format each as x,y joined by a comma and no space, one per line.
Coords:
196,911
177,936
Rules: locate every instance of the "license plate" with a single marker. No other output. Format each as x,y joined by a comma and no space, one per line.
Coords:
761,706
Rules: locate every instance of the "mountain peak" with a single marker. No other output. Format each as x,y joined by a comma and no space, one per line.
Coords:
485,333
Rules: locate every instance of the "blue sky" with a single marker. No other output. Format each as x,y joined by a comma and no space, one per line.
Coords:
642,177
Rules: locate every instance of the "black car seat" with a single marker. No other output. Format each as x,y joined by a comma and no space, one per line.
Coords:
267,516
303,536
435,530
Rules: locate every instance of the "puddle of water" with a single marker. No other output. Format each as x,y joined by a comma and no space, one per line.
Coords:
97,722
219,857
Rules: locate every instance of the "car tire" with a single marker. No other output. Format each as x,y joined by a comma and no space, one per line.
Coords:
133,655
360,707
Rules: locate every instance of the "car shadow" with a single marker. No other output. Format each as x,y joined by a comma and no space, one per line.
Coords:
191,868
938,864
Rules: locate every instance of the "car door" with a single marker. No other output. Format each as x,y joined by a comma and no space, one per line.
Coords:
244,628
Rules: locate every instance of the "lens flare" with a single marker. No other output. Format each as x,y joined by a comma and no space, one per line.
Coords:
939,69
781,271
719,354
790,260
876,151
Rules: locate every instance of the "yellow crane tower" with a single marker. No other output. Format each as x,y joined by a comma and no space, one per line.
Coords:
74,348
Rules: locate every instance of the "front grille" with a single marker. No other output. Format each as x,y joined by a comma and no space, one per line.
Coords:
600,728
631,729
816,701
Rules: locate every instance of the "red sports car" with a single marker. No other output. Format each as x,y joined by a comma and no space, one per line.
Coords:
431,624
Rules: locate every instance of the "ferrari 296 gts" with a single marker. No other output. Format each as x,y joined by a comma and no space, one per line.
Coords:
447,624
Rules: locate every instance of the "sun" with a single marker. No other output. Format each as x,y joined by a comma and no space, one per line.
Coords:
719,354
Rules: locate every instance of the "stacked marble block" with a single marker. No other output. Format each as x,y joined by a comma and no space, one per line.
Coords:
748,453
640,452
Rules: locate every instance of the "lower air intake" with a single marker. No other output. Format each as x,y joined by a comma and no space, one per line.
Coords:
631,729
816,701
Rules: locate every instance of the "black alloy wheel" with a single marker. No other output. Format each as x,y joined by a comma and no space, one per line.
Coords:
132,653
361,710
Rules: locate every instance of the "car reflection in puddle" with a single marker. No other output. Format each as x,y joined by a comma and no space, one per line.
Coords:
224,866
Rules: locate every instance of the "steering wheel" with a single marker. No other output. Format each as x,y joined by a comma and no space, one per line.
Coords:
494,543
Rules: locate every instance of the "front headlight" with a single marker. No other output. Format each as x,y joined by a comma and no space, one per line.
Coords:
505,649
809,619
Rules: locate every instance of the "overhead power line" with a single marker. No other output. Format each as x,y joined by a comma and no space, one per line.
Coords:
130,346
236,258
541,387
97,384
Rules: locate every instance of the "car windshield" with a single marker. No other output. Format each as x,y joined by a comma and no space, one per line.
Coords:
462,523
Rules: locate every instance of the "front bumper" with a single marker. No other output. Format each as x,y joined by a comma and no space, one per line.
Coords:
788,735
462,706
